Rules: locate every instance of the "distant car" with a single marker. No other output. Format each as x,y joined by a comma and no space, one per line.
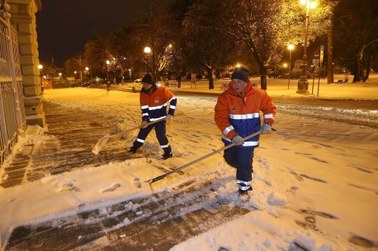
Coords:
136,85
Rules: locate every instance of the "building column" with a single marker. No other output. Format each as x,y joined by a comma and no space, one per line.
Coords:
23,18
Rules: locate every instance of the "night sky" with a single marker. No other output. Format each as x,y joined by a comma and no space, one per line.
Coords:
63,26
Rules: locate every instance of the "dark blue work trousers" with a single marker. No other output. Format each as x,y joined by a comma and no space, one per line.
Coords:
160,135
240,158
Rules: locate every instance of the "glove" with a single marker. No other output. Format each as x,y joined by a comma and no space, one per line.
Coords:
144,124
266,129
237,140
169,116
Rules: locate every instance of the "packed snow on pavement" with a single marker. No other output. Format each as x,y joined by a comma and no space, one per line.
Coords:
315,181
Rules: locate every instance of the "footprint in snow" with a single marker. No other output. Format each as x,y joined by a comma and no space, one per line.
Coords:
313,178
110,188
363,242
66,185
318,213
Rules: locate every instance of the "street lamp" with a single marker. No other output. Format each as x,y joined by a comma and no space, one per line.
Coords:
40,67
290,47
87,72
303,82
108,69
147,51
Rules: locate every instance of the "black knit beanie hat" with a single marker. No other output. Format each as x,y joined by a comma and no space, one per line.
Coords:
148,79
241,73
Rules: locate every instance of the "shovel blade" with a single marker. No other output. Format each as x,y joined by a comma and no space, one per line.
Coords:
100,144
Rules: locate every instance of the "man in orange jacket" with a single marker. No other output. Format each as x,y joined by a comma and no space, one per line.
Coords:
237,115
154,101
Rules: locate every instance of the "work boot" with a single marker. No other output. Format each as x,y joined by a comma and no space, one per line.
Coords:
131,151
243,194
245,191
166,156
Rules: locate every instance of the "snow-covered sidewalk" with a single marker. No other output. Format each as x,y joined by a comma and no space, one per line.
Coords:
315,181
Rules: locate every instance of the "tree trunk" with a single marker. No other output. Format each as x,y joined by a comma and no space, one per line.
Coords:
210,77
263,77
179,81
368,67
358,61
330,79
358,70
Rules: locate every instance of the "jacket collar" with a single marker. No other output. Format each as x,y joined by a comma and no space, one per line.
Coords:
149,91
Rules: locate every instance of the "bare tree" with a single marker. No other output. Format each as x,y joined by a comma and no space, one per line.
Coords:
266,27
205,45
356,37
154,31
256,24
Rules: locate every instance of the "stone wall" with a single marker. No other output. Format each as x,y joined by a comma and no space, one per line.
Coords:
23,18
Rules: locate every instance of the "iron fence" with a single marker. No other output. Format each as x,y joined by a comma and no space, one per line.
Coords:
12,110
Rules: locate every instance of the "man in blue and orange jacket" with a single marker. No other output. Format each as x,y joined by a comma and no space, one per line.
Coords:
237,115
154,101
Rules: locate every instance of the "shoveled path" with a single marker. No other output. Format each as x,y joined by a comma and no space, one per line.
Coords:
157,222
72,136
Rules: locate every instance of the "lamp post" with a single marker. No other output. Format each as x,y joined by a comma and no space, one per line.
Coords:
89,73
40,67
108,69
290,47
147,51
86,69
303,82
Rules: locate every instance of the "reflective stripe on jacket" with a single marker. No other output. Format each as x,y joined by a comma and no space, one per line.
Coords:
154,103
235,114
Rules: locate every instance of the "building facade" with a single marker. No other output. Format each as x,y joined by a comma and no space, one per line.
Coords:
23,19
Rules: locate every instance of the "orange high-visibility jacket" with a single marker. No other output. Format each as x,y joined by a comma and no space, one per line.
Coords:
240,115
154,104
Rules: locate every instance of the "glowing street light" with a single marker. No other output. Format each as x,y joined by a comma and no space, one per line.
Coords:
40,67
87,72
108,69
147,50
303,82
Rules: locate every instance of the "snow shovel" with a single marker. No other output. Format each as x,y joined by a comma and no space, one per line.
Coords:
102,142
199,159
